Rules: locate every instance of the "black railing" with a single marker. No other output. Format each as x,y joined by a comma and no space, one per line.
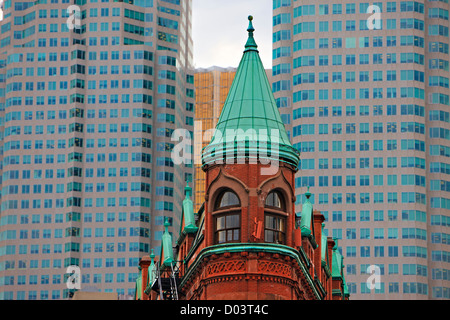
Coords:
167,281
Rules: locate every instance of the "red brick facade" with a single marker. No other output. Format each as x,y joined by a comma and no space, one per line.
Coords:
251,268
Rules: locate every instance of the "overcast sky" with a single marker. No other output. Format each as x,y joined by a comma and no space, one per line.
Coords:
219,31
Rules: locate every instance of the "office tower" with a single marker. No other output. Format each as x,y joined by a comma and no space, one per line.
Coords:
365,95
90,96
211,90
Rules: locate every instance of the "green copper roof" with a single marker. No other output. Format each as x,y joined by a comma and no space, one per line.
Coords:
150,274
166,248
250,124
336,263
138,291
151,267
324,244
307,212
337,271
188,212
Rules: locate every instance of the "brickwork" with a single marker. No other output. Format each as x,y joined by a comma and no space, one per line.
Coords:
248,270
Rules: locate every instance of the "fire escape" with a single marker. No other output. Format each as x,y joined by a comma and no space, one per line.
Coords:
166,282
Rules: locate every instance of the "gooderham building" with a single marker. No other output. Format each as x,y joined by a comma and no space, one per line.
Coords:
246,242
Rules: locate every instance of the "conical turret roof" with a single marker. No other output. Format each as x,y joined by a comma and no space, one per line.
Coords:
250,124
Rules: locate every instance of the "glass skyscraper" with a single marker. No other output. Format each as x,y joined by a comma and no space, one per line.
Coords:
88,103
363,89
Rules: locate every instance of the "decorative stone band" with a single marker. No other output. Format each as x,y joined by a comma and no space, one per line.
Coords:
226,267
271,248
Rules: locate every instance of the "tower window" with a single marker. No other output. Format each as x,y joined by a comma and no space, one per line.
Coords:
227,199
275,229
274,200
275,219
228,224
228,228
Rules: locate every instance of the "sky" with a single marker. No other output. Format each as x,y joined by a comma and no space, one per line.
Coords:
220,31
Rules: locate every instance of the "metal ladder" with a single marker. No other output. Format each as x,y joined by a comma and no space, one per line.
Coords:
173,285
172,281
158,274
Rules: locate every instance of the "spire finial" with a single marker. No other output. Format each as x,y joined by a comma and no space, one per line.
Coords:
250,42
152,255
188,190
250,25
307,194
166,224
336,245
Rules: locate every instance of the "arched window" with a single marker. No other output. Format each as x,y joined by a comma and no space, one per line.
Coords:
227,199
274,200
275,218
228,223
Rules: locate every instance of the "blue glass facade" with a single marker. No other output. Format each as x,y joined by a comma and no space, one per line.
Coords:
87,115
365,99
